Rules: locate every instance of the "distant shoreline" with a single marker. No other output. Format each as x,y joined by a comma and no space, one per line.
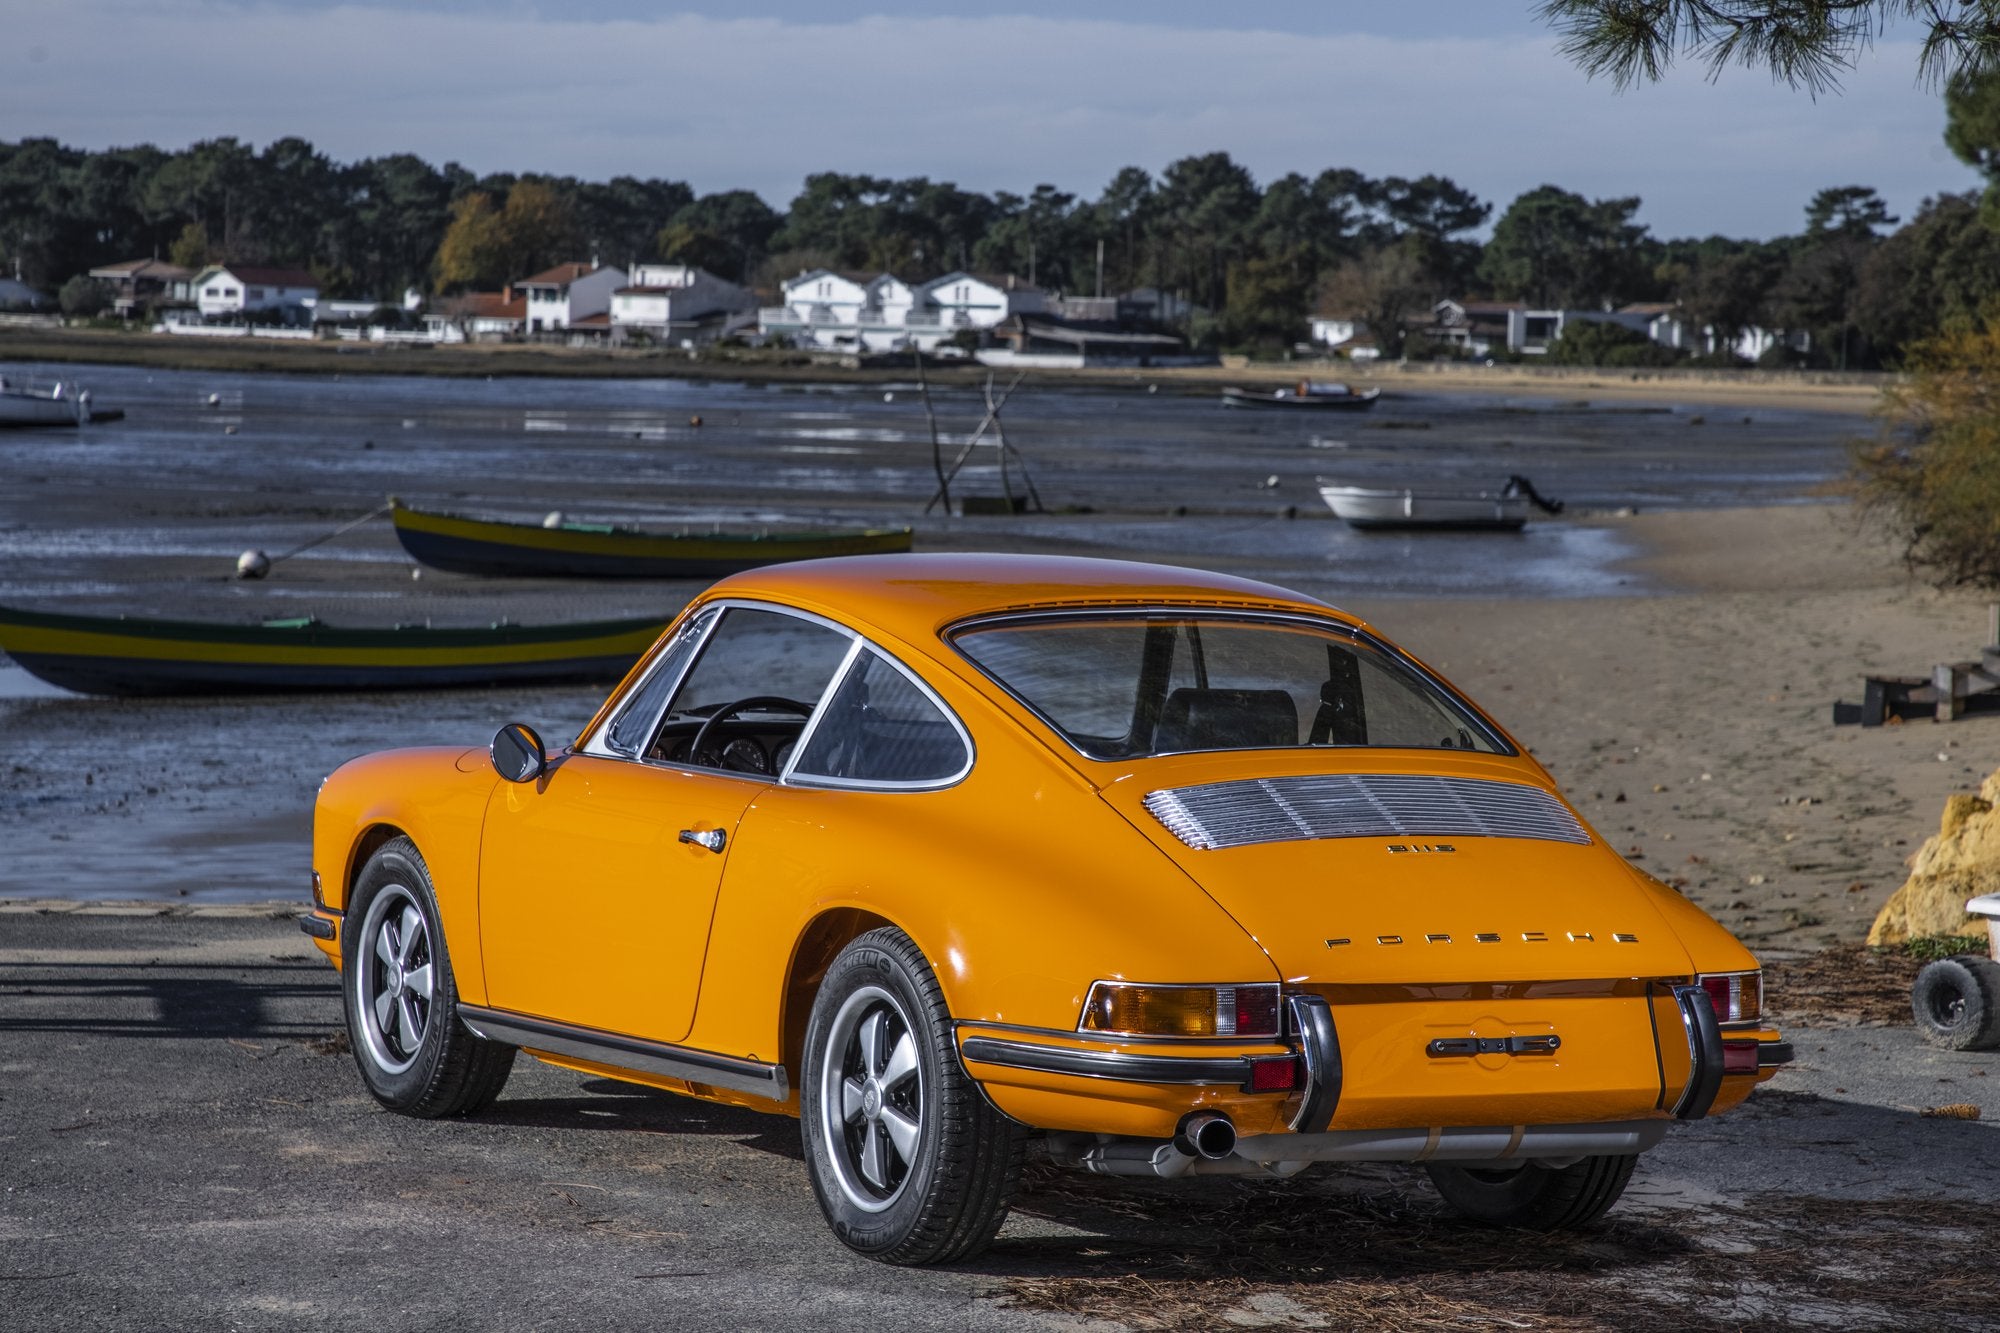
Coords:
1855,393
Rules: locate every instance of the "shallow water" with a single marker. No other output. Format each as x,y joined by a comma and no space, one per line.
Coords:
211,799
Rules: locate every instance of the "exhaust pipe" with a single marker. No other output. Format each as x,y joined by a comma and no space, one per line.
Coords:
1207,1135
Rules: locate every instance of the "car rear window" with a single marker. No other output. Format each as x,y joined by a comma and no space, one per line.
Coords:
1132,685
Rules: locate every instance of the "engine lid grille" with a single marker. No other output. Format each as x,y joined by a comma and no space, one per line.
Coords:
1354,805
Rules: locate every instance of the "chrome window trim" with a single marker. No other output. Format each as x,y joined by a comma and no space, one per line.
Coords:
792,778
1221,611
597,744
858,642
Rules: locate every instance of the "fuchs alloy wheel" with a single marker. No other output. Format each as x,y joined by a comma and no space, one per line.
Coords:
1957,1003
909,1161
401,1003
1532,1196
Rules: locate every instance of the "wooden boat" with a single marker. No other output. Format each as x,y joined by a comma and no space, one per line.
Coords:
130,655
1503,510
56,404
1306,395
581,550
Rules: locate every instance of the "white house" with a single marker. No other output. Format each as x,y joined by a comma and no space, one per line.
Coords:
477,317
883,313
678,302
1337,330
571,296
234,289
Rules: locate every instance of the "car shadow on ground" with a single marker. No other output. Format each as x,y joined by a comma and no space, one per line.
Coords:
609,1105
1373,1245
282,1000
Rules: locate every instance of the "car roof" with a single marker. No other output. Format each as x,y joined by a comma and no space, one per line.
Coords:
913,596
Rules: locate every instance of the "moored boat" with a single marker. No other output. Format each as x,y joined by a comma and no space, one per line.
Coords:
1502,510
580,550
1305,396
29,404
131,655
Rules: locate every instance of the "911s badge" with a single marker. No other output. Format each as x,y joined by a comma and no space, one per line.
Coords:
1404,847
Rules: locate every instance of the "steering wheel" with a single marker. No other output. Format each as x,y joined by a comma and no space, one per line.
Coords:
775,701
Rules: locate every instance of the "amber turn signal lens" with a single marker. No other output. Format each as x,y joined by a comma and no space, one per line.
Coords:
1181,1011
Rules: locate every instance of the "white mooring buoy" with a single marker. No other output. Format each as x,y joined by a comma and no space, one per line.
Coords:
252,564
554,520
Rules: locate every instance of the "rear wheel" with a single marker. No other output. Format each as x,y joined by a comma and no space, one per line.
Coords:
401,1002
1533,1196
1957,1003
910,1163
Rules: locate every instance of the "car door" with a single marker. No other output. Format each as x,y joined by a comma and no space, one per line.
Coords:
598,882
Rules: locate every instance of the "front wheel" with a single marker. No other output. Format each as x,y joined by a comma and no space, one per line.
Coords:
1533,1196
401,1003
910,1163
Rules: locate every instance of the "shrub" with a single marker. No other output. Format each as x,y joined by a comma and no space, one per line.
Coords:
1596,342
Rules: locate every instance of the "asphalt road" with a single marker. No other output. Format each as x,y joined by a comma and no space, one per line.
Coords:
181,1148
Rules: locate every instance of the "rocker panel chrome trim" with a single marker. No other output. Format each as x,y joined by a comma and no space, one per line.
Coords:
646,1057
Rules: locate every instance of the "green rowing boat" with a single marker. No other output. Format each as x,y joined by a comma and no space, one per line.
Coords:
129,655
580,550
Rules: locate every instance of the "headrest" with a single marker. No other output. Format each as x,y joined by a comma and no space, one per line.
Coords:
1195,719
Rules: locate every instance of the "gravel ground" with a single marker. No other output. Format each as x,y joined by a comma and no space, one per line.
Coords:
183,1144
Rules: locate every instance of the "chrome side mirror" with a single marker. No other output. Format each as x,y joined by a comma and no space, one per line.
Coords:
517,753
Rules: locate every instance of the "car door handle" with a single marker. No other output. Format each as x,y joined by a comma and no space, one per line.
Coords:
713,839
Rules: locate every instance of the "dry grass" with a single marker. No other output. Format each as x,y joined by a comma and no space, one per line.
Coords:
1847,984
1305,1254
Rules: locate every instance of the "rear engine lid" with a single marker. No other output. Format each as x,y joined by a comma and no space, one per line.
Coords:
1377,877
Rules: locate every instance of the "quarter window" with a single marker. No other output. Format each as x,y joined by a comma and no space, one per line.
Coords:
879,727
628,731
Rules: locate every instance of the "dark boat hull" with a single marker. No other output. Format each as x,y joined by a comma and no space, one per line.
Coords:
526,550
137,657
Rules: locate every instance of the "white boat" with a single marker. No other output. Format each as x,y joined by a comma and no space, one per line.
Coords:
1306,394
27,404
1502,510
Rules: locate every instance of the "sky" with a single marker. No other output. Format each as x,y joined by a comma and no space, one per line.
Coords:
756,94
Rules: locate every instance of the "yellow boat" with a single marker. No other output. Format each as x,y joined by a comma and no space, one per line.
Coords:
124,655
579,550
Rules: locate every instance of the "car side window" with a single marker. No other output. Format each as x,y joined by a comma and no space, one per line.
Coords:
628,731
879,727
745,701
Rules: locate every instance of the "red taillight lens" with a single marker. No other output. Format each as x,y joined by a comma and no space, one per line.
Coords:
1274,1073
1181,1011
1739,1057
1256,1010
1738,997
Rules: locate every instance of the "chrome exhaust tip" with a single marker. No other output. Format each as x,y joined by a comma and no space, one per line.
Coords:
1206,1134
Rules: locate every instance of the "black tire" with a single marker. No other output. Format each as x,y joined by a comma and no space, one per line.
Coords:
414,1053
1531,1196
932,1196
1957,1003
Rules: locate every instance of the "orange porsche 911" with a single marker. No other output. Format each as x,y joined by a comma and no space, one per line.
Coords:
1180,874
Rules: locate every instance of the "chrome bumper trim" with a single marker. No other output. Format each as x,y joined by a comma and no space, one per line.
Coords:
646,1057
1191,1069
1704,1039
1319,1046
320,925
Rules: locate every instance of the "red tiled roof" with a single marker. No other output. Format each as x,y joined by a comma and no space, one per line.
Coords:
562,275
492,305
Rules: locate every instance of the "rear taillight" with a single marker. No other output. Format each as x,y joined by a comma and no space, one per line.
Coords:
1273,1073
1739,1057
1738,997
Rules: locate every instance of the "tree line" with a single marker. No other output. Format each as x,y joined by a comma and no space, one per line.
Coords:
1252,261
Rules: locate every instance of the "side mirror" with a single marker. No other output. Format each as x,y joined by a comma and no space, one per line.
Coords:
517,753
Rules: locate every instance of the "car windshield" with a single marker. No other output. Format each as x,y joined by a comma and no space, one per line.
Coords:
1128,686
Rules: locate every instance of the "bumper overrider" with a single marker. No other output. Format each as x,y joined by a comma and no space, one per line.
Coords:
1201,1146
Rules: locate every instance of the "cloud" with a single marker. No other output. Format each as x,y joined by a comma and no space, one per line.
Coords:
992,102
